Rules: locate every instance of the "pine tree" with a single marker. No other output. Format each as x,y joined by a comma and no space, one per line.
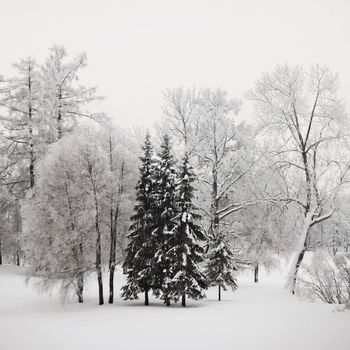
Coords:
221,267
139,250
165,213
185,253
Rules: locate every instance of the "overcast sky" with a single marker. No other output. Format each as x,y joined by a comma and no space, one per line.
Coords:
136,49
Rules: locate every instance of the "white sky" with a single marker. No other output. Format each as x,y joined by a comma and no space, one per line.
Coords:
136,49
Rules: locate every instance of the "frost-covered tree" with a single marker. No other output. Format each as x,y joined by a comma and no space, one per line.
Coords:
303,110
223,157
64,221
262,235
21,102
185,250
20,146
58,241
221,267
64,100
140,250
94,177
120,150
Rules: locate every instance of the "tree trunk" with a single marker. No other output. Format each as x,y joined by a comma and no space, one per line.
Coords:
100,287
114,224
301,248
297,266
111,284
0,254
112,254
256,273
31,141
98,265
98,258
146,297
80,288
167,302
183,301
59,116
18,260
219,294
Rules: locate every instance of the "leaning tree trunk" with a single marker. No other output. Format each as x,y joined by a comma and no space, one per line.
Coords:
256,273
301,249
297,266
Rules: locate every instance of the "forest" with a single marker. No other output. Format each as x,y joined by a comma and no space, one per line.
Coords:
184,205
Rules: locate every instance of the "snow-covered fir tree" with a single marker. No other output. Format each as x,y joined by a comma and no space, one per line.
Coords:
165,212
140,251
185,252
221,267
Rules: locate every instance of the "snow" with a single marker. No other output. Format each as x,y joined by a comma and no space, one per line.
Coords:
256,316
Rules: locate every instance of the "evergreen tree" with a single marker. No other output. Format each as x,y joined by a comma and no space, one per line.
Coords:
221,266
165,213
185,253
139,251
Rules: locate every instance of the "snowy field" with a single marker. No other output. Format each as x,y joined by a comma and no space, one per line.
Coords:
257,316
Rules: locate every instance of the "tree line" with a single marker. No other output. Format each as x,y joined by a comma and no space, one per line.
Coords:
216,196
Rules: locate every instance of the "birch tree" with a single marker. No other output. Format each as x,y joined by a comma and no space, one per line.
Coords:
303,128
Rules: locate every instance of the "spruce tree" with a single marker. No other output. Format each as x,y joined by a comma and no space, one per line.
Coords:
165,213
140,251
221,266
185,253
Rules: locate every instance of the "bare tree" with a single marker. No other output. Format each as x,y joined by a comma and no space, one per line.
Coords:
302,126
181,115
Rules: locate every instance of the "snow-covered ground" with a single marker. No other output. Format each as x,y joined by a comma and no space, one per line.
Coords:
257,316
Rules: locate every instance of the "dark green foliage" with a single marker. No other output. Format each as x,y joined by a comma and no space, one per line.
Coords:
185,254
139,251
164,253
221,265
165,212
